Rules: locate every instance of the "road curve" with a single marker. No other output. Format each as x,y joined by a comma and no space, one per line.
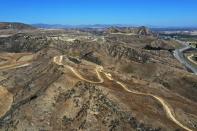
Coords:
161,101
58,60
82,78
190,58
99,69
178,54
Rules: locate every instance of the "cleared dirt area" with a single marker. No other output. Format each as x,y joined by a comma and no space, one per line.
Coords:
6,100
25,57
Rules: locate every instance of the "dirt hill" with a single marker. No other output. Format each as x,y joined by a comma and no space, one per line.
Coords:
74,80
17,26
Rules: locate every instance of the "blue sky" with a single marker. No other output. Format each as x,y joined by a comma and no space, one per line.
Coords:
74,12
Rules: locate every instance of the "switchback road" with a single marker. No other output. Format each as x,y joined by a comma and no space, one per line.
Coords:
99,69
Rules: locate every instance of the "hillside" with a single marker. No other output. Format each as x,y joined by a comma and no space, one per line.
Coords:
16,26
129,30
76,80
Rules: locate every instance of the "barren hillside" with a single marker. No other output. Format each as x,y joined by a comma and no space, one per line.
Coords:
120,80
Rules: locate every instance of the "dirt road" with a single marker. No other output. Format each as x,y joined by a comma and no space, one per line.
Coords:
99,69
190,58
14,66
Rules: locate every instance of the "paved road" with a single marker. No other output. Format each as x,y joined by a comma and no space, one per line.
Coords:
99,69
179,55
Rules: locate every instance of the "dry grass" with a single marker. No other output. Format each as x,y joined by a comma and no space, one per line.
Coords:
6,99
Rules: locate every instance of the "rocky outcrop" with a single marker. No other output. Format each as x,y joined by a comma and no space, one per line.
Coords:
132,54
134,30
143,31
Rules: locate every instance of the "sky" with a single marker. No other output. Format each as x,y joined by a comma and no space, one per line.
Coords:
79,12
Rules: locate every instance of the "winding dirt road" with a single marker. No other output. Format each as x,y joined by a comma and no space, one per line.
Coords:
190,58
99,69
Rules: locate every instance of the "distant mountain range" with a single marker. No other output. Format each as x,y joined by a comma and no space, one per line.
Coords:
21,26
101,26
60,26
